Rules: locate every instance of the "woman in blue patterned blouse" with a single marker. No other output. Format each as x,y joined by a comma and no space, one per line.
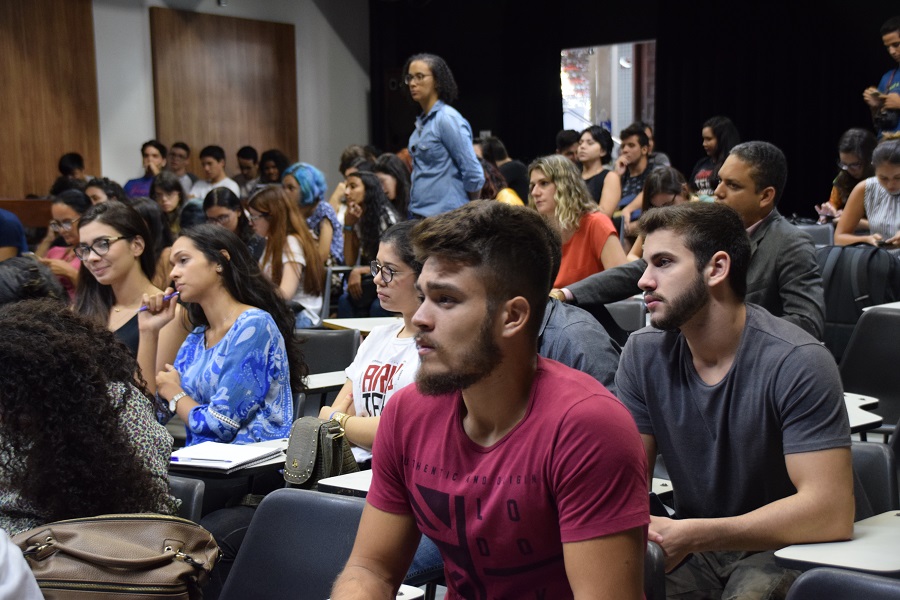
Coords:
232,379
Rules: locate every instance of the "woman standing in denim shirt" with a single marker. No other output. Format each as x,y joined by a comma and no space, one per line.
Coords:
446,173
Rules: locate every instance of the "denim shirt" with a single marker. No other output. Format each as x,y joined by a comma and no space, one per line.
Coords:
445,167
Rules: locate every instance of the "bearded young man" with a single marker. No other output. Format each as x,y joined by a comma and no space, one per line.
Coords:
745,408
528,475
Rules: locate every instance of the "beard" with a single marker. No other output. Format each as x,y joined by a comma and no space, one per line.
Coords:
683,307
477,362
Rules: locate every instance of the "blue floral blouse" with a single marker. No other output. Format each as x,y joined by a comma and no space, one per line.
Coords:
242,383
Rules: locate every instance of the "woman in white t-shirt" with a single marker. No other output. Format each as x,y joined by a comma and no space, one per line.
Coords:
388,359
301,280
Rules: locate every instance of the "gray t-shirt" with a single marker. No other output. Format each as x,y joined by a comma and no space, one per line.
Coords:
724,444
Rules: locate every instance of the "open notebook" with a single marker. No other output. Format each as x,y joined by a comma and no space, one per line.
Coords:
225,457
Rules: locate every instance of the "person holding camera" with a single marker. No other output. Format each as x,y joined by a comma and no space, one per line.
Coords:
884,100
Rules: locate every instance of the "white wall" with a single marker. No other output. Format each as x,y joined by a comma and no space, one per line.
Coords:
332,75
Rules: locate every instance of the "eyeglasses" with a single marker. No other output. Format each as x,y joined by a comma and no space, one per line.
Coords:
254,218
664,204
100,247
64,225
220,220
417,77
387,273
846,167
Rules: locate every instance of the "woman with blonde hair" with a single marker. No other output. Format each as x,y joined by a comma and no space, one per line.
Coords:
291,257
590,242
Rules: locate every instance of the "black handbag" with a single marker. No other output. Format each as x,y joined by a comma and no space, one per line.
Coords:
317,448
141,555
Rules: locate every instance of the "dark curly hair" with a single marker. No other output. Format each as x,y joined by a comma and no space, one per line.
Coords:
112,189
376,204
247,284
444,82
62,448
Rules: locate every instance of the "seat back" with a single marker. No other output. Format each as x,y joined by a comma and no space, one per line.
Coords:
822,234
875,479
827,582
190,491
869,364
298,540
853,278
327,350
630,314
654,572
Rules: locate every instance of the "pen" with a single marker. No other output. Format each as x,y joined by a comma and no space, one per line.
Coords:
166,298
185,459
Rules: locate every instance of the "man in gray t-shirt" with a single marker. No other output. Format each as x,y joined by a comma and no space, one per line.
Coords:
745,408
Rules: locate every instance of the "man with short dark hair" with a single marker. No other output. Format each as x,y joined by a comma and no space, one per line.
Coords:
527,474
12,236
884,100
248,163
784,276
178,159
567,144
745,408
71,165
634,162
212,159
153,154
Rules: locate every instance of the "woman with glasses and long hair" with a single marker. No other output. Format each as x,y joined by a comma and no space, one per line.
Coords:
389,350
664,186
446,173
66,210
291,258
855,150
232,378
877,199
590,242
369,214
223,207
117,267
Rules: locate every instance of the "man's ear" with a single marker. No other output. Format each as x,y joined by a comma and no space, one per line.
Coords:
767,201
516,313
718,268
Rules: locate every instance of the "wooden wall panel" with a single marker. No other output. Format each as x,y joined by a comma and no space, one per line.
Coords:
48,100
223,81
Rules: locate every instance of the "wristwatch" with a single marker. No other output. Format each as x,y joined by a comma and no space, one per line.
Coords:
173,403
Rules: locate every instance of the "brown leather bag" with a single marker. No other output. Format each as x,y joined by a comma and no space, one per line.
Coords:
316,449
127,556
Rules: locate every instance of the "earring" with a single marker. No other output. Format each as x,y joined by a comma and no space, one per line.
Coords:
218,268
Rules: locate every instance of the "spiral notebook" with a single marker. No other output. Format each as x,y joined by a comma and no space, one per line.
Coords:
216,456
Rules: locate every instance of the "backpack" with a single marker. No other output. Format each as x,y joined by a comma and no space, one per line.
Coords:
854,277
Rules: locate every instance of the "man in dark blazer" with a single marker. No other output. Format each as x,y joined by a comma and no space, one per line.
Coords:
783,276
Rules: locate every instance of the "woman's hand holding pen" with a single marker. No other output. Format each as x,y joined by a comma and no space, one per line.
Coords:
157,310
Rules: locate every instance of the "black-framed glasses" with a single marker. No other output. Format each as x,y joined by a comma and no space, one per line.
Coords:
387,273
100,247
667,203
64,225
222,220
847,167
417,77
254,218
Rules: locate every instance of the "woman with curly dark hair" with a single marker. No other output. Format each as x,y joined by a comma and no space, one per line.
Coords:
233,377
223,207
78,435
369,214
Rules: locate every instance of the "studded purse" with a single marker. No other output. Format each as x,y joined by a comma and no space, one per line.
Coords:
317,448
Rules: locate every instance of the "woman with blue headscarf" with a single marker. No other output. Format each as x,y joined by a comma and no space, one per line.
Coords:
306,186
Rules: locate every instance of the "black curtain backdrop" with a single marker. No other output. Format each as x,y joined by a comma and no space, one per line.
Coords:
781,72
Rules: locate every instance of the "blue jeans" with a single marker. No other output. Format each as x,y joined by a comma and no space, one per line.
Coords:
426,565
